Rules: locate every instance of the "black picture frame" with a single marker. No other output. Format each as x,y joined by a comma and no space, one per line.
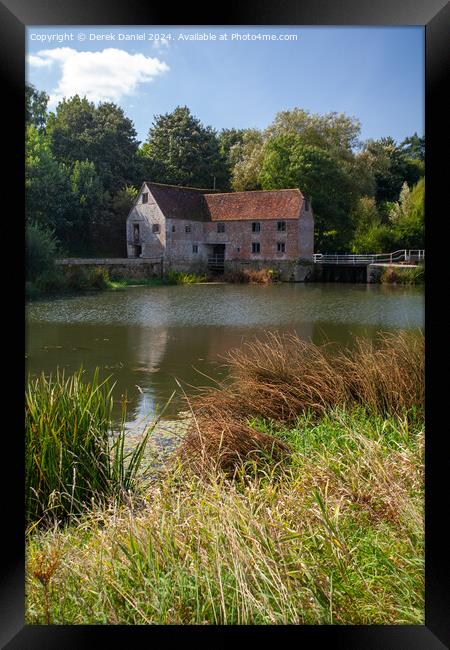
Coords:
434,15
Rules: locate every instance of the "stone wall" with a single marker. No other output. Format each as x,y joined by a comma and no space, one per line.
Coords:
117,268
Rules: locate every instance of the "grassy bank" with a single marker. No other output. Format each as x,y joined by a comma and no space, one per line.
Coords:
76,279
295,497
399,275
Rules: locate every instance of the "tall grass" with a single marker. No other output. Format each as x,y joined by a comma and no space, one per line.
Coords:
177,277
72,455
282,377
399,275
334,536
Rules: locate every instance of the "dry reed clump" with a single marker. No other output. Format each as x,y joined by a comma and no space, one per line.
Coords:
241,276
283,377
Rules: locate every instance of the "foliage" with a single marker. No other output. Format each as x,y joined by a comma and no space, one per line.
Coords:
47,185
333,132
414,147
391,167
35,107
73,458
287,162
41,248
371,235
178,277
334,535
84,164
101,134
407,216
181,151
399,275
252,276
246,158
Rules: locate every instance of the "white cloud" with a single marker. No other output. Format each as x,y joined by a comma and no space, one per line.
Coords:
37,62
100,76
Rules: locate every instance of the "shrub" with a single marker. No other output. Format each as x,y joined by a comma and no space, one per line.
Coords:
253,276
177,277
98,278
41,248
396,275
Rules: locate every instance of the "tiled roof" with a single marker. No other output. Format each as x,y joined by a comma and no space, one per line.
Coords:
202,205
180,202
255,206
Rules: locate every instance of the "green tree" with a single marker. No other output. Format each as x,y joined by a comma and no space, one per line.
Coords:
414,147
245,159
41,248
35,107
334,132
391,167
86,198
47,185
181,151
287,162
371,235
407,216
81,131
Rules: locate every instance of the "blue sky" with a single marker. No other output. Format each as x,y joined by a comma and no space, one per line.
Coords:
375,74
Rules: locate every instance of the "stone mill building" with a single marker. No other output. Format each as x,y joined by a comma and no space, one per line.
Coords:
195,230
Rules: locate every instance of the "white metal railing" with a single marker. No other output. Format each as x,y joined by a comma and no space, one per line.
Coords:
404,255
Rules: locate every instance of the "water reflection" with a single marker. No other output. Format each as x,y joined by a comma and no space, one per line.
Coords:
149,337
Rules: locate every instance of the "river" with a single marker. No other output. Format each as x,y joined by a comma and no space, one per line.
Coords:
150,338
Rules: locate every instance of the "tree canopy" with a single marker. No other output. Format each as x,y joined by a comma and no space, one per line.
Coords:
84,166
179,150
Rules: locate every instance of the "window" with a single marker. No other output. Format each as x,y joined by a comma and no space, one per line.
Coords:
136,232
281,226
187,228
220,227
256,247
238,248
144,197
195,248
306,205
155,227
173,228
281,247
256,226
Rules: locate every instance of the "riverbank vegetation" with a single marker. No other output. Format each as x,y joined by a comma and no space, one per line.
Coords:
251,276
407,275
295,497
84,167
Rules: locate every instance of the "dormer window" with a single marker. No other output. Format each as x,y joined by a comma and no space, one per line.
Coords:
144,197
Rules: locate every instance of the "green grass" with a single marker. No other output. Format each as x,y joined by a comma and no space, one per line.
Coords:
332,535
407,275
177,277
73,457
295,497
